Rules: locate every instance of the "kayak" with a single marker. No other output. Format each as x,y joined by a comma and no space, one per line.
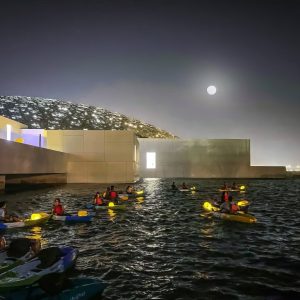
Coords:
18,252
35,219
191,189
74,289
73,218
238,189
104,207
47,261
238,217
228,190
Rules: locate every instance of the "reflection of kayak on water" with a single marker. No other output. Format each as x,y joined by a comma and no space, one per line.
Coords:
238,217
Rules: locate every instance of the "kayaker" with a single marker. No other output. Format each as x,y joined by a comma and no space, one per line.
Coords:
113,195
129,190
106,193
224,197
4,217
97,199
57,209
225,207
173,186
224,187
184,187
234,186
234,208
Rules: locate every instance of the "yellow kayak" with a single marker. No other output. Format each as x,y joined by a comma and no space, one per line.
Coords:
238,217
35,219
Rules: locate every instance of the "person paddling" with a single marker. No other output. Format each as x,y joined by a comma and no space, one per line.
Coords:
97,199
113,195
129,190
234,208
184,186
173,186
57,209
106,193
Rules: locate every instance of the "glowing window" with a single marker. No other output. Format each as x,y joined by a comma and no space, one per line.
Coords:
8,132
151,160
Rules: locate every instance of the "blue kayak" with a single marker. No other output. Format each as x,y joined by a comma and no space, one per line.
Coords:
48,261
77,288
73,218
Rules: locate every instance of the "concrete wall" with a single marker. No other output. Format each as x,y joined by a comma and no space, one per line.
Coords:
97,156
205,158
16,158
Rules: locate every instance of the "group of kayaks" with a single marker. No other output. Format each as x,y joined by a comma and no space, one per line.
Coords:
25,275
241,215
81,216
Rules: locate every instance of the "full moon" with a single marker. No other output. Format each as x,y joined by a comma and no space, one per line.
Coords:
211,90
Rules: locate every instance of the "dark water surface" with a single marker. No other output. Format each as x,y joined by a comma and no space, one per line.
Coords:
161,248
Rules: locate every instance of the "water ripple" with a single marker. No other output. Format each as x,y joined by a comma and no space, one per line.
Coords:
161,248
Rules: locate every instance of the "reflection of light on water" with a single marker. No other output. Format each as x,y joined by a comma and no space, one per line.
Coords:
151,184
112,214
208,232
36,233
203,275
139,201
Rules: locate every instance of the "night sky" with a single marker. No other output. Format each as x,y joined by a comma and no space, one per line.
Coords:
153,60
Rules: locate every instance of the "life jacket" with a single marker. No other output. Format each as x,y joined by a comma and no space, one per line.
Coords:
226,196
234,208
58,210
113,195
98,201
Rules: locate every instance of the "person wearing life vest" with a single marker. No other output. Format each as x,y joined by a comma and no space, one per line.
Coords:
234,208
97,199
224,197
113,195
57,209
